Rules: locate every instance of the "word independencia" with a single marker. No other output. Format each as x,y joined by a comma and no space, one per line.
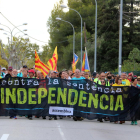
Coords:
53,95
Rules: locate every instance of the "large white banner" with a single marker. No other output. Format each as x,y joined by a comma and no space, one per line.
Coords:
62,111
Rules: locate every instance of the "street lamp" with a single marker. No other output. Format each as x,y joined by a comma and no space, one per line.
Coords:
120,38
64,6
11,31
73,33
20,32
95,51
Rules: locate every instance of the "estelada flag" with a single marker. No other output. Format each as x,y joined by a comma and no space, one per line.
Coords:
85,64
39,65
52,63
75,60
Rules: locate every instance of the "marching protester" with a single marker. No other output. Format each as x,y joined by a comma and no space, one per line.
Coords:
101,77
134,84
94,75
118,82
86,75
125,81
31,73
82,73
130,77
38,74
9,74
138,79
1,73
103,83
53,74
109,79
77,77
72,75
4,70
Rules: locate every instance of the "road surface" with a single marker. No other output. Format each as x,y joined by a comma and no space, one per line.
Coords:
65,129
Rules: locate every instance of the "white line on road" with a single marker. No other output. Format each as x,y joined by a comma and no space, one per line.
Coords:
60,131
4,137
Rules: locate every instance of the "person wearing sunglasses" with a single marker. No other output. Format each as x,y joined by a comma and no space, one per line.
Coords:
118,83
101,77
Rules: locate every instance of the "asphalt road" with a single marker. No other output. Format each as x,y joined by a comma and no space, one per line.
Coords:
66,129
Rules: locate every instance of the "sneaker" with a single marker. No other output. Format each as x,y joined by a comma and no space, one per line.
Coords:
44,118
15,117
50,118
30,118
132,122
135,122
75,118
55,118
121,122
101,120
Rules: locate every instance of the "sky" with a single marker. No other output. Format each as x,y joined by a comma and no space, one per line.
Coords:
33,12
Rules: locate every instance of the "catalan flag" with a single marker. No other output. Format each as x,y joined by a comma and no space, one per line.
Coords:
52,63
39,65
85,65
75,60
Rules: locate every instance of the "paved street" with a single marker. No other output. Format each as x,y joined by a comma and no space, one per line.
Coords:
66,129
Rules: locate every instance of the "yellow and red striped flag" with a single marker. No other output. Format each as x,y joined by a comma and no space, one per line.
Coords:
39,65
52,63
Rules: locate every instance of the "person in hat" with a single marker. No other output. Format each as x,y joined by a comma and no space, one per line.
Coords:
31,73
130,77
9,74
4,70
93,75
2,74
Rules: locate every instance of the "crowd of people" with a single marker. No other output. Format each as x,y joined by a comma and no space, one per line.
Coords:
102,78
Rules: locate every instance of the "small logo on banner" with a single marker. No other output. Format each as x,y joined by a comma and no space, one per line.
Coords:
63,111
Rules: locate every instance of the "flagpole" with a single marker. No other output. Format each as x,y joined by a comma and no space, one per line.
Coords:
95,51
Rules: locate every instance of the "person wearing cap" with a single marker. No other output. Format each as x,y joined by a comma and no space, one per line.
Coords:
31,73
2,74
9,74
4,70
130,77
93,75
125,81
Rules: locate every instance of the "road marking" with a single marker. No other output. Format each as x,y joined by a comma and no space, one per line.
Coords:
4,137
60,131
